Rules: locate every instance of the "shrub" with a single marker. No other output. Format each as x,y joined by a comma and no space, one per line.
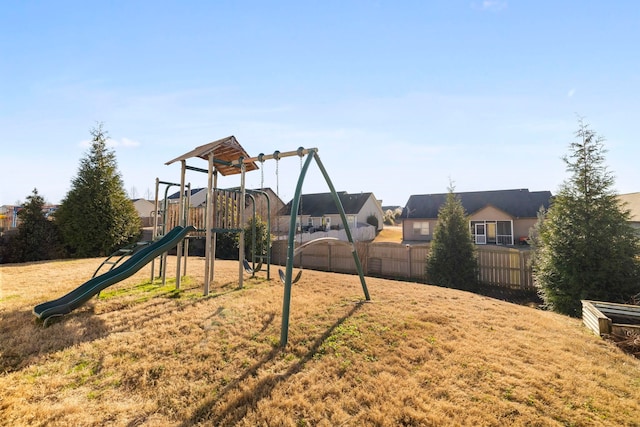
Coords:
452,261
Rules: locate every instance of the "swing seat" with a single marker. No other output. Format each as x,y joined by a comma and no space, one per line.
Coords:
283,277
248,268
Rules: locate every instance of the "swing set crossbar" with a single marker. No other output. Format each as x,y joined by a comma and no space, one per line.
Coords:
277,155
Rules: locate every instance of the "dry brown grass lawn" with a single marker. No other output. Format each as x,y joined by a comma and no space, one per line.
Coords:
417,355
389,234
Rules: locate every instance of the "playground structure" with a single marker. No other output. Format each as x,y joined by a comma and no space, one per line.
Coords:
227,157
227,218
224,212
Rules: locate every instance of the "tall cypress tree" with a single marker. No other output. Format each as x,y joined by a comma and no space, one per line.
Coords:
584,246
96,216
452,260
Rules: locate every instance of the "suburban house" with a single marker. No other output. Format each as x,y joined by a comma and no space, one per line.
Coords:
262,211
501,217
319,213
631,202
145,209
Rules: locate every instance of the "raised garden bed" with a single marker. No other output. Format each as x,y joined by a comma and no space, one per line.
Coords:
608,318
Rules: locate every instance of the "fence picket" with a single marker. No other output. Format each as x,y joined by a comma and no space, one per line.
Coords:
498,266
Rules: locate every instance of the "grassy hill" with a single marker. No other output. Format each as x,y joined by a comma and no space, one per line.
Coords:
389,234
147,355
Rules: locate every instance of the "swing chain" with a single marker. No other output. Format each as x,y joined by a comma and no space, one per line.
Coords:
277,173
261,160
301,155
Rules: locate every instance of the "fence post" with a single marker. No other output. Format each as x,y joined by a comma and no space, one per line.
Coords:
409,263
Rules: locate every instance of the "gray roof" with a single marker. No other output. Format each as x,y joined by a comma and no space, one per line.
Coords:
320,204
176,195
519,203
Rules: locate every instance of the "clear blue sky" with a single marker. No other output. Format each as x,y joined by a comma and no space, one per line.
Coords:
400,97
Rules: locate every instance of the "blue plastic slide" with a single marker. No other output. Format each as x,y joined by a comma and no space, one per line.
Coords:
84,292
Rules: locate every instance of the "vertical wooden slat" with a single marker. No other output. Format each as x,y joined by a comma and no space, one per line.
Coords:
505,267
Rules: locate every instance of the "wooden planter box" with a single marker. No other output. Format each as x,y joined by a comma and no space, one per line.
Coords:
606,318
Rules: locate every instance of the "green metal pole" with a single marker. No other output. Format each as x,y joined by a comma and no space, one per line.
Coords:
284,332
268,242
286,304
336,199
253,234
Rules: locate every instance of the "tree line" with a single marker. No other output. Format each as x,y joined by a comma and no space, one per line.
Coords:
95,217
583,246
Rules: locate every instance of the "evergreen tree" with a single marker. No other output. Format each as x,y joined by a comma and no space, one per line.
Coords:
452,260
96,216
584,246
227,245
38,238
262,237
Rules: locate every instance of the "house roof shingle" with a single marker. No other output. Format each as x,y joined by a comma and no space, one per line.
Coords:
320,204
519,203
176,195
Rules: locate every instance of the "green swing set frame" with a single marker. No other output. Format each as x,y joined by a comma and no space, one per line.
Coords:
287,276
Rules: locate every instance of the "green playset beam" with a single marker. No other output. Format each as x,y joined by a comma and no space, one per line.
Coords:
286,304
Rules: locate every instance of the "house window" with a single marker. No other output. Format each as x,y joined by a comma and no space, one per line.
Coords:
309,227
421,228
326,222
492,232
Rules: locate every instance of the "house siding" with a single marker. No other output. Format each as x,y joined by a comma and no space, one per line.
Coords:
490,213
261,207
145,210
521,228
631,202
371,207
409,234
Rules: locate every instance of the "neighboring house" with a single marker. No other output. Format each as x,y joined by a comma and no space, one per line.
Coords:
631,202
9,219
145,209
318,212
501,217
275,205
198,197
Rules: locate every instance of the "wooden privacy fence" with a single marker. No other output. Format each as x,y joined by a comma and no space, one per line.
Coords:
498,266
